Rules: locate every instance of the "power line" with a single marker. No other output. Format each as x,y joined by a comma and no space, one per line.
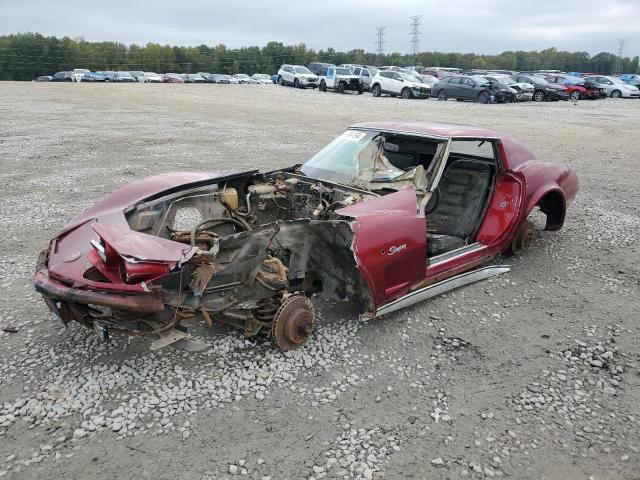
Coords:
414,36
380,44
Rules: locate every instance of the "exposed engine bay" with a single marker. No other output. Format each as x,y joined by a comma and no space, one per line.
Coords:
265,243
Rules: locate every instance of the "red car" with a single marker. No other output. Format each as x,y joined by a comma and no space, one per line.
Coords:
577,88
386,215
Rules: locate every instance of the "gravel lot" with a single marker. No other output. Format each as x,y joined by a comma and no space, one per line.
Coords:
531,375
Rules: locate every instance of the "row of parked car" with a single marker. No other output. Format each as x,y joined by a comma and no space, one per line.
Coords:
83,75
486,86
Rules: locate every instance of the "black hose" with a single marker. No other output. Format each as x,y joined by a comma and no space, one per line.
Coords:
216,221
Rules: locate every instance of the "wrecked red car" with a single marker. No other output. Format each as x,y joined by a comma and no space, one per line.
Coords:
386,215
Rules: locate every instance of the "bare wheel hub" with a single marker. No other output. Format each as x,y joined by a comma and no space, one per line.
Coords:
292,323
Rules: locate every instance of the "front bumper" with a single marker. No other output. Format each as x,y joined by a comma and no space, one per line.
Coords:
68,302
557,95
421,92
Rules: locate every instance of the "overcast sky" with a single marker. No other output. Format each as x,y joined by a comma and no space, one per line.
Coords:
481,26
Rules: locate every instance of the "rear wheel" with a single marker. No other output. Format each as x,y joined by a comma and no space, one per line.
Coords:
322,87
360,90
341,87
523,238
296,83
376,91
406,93
575,95
442,95
616,94
280,81
539,96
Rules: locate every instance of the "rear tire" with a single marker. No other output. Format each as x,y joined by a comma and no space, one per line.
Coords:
442,96
296,83
539,96
280,81
523,239
341,87
616,94
575,96
361,90
376,91
406,93
322,87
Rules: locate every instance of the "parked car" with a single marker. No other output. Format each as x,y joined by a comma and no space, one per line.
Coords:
78,73
62,77
350,223
152,77
474,88
523,91
242,78
543,90
298,76
231,79
441,72
172,78
365,72
577,87
340,79
261,78
428,80
92,77
108,75
138,75
218,78
391,82
193,78
631,79
44,78
615,87
319,69
123,77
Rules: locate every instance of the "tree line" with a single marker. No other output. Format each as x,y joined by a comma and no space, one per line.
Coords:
26,56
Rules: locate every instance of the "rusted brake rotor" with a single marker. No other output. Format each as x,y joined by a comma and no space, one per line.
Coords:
292,323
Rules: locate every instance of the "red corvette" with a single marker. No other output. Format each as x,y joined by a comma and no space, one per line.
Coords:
386,215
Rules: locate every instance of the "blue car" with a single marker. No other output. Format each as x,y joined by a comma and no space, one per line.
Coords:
631,79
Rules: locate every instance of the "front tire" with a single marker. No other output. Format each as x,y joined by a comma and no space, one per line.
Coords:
616,94
442,96
280,81
484,97
539,96
376,91
361,90
575,96
341,87
406,93
296,83
322,87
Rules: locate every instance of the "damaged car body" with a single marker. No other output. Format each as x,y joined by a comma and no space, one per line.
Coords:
386,215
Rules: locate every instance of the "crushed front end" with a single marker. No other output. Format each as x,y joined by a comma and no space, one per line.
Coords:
247,250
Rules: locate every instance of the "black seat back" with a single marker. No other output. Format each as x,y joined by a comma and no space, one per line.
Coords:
463,188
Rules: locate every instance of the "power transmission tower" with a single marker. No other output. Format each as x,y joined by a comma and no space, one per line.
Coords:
380,44
414,36
617,68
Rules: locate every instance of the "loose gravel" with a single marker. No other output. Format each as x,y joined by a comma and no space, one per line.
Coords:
530,375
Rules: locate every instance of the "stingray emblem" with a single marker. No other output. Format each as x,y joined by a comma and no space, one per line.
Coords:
397,249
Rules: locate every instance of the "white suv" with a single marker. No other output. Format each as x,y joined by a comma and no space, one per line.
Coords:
78,73
395,83
298,76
